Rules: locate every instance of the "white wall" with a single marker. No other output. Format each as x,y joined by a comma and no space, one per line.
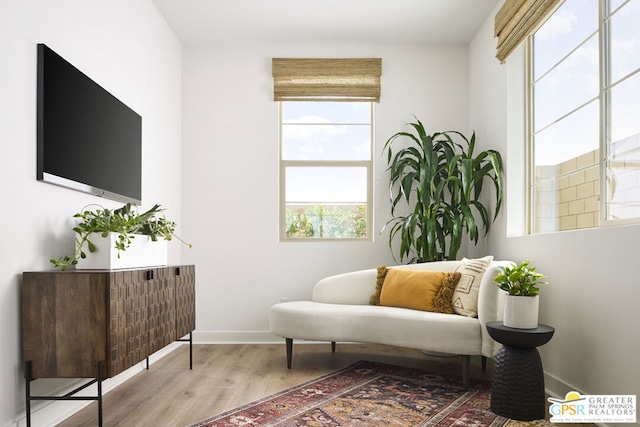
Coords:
593,293
126,47
230,173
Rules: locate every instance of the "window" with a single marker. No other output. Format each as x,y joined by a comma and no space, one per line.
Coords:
584,86
326,133
326,170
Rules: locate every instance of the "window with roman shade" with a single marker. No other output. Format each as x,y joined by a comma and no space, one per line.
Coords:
518,19
326,146
326,79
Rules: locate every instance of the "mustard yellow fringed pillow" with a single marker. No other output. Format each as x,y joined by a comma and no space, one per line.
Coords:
382,272
418,289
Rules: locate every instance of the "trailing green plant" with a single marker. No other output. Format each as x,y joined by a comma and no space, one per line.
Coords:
520,280
440,180
126,222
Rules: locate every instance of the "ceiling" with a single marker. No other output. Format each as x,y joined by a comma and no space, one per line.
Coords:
197,22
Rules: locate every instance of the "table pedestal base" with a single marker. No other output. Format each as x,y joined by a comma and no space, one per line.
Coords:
517,389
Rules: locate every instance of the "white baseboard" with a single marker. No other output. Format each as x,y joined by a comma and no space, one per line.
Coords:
236,337
242,337
555,387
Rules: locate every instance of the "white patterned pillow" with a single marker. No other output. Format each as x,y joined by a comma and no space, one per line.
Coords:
465,296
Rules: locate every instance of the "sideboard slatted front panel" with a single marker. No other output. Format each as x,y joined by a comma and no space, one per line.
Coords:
129,334
162,309
185,300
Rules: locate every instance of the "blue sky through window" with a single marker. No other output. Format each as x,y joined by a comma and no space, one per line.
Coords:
331,132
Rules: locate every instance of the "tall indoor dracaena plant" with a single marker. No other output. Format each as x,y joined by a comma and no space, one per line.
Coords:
440,180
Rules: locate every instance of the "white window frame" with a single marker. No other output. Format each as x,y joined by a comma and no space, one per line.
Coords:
604,132
284,164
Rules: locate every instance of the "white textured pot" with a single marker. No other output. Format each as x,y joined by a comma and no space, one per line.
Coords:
521,312
143,252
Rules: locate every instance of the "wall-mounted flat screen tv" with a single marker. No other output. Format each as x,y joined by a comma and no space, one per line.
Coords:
87,139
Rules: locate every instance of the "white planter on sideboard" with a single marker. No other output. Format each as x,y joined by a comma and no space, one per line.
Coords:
143,252
521,312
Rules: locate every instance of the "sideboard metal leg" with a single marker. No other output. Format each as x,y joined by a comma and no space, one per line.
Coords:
99,378
190,350
69,396
27,387
190,341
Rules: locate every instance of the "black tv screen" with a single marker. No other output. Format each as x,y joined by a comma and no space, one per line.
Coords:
87,139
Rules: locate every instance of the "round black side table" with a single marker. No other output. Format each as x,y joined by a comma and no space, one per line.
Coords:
517,388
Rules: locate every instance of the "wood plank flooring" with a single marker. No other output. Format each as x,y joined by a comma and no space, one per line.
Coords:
225,376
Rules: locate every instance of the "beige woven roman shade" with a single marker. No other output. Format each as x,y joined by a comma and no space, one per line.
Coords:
315,79
518,19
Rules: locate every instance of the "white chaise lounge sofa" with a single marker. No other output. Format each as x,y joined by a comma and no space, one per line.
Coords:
339,310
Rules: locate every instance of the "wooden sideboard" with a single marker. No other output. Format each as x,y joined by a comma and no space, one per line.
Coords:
98,323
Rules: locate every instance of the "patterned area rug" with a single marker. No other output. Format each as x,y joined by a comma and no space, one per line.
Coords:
368,394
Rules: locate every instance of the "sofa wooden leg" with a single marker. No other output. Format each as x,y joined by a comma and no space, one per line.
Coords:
333,346
484,362
466,362
289,342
